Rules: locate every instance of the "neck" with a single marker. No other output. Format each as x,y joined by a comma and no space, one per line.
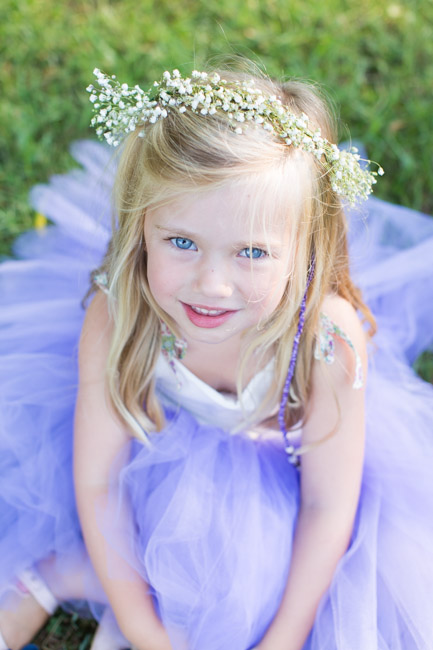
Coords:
218,365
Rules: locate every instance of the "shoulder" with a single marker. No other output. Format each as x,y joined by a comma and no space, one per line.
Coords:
99,433
334,430
95,338
341,338
343,314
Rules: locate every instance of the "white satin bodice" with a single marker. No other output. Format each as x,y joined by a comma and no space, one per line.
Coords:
179,386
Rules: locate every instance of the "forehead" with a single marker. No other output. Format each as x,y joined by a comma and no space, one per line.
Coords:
243,208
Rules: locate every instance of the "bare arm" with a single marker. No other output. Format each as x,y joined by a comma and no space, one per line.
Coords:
100,437
330,484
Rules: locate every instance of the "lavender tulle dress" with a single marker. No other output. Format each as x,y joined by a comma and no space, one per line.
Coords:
214,511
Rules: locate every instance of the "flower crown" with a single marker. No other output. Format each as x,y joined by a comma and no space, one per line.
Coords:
119,109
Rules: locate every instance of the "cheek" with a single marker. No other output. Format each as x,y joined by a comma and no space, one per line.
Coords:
268,287
160,276
168,279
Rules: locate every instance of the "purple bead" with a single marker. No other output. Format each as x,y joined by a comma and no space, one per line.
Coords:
292,364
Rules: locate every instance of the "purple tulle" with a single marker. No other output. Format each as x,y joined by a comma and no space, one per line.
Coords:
213,514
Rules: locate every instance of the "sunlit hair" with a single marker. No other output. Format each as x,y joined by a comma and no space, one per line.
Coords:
189,153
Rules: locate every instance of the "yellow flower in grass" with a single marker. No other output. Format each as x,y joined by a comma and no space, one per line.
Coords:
40,221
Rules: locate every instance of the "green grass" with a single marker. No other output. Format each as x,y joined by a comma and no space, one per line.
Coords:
374,59
66,632
424,366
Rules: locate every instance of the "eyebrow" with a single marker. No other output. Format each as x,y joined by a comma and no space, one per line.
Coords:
276,243
178,231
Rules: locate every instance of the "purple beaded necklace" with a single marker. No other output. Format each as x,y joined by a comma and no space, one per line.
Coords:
285,395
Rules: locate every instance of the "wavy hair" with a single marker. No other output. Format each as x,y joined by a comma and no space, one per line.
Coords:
191,153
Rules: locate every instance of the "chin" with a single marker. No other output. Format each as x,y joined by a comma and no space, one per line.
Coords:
213,336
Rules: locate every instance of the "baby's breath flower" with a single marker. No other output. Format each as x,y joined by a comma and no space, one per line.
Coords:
119,110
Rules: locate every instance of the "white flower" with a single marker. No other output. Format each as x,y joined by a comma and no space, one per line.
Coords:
120,109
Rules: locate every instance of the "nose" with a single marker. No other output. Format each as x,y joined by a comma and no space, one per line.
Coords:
213,280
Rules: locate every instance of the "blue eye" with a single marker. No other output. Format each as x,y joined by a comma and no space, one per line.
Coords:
253,253
183,243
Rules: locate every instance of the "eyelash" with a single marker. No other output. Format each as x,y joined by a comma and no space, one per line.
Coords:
175,241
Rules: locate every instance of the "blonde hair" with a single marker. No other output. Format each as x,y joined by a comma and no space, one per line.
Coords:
191,153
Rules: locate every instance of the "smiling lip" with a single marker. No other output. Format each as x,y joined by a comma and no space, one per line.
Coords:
208,317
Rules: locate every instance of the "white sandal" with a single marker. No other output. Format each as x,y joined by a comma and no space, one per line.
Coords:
35,585
30,583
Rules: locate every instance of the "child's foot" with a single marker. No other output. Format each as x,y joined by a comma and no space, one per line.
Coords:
24,610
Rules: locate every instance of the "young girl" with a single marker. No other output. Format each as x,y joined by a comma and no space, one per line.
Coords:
225,494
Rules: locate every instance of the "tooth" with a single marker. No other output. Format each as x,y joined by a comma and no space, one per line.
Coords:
208,312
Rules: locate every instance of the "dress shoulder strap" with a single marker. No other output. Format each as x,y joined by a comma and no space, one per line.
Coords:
325,347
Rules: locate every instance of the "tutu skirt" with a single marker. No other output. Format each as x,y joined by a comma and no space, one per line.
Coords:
214,514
